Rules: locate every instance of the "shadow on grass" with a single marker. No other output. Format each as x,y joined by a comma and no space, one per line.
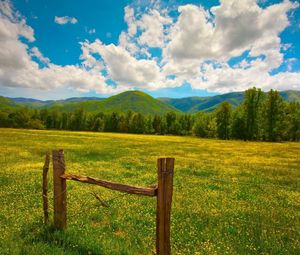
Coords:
70,242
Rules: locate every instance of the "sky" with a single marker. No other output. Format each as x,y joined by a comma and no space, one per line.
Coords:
55,49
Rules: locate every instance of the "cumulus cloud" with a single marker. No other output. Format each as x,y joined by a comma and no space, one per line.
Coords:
152,26
227,31
197,46
65,20
18,70
130,20
36,52
122,67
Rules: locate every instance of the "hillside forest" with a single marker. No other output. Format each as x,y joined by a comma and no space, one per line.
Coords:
260,116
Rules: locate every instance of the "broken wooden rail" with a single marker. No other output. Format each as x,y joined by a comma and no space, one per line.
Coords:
151,192
163,191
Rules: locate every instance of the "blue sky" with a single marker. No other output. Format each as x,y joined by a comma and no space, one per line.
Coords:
59,49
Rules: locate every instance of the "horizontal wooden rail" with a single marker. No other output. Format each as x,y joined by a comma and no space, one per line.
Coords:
151,192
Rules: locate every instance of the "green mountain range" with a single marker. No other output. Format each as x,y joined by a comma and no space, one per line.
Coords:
208,104
136,101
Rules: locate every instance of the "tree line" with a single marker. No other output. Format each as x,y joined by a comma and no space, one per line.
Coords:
260,117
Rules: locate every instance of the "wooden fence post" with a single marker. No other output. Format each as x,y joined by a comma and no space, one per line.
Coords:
45,188
165,170
60,192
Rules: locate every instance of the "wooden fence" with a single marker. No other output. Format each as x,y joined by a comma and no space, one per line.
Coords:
163,191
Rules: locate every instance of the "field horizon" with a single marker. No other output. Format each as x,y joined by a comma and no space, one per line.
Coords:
230,197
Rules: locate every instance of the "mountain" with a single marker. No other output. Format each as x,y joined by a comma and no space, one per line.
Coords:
208,104
184,104
7,104
35,103
137,101
291,95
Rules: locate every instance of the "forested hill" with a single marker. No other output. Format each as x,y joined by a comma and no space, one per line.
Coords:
137,101
209,104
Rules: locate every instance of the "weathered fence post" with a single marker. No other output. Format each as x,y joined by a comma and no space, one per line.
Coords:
45,188
60,192
165,169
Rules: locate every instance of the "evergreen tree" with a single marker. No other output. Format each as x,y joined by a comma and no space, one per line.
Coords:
170,120
200,127
252,109
138,123
64,121
112,123
223,118
149,125
238,127
292,121
123,127
273,116
78,120
157,124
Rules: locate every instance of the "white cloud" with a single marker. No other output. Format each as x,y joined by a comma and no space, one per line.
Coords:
36,52
196,47
152,26
18,70
124,68
130,20
233,27
65,20
225,78
230,29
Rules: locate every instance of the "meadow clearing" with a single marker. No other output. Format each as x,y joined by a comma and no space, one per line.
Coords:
230,197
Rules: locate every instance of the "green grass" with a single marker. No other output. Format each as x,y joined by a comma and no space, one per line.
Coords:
230,197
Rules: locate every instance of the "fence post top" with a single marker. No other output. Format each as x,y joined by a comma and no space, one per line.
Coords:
167,159
165,165
58,152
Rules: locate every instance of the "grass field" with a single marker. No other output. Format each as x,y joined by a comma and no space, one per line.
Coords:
230,197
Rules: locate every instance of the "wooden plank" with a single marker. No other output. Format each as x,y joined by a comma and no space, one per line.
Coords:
112,185
60,192
45,188
165,170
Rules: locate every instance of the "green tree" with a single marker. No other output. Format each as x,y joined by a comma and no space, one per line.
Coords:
201,125
112,122
238,127
292,121
78,121
149,125
21,118
4,119
156,124
123,126
138,124
223,119
273,116
252,112
170,120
